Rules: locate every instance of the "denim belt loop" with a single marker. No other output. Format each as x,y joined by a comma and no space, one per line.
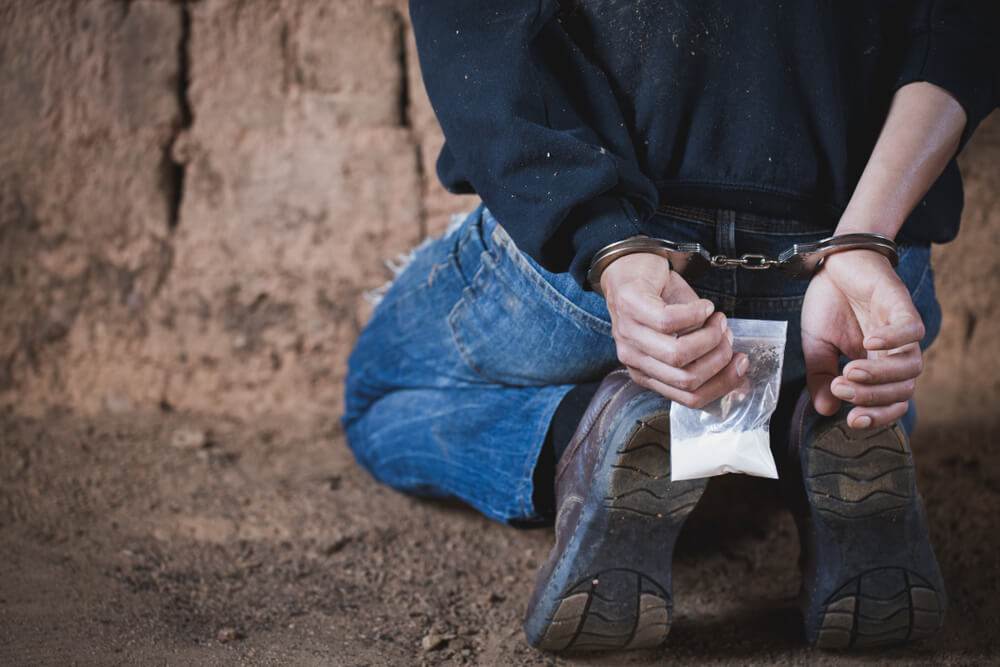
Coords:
725,232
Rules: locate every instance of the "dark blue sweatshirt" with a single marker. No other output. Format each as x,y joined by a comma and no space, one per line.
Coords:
575,120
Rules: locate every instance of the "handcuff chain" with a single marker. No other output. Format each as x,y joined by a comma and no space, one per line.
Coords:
749,261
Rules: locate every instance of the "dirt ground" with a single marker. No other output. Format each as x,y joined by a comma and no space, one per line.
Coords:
176,538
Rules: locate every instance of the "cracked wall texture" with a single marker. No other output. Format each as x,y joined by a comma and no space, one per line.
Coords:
195,195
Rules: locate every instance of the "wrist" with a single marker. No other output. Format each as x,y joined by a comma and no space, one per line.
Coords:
853,260
639,264
887,226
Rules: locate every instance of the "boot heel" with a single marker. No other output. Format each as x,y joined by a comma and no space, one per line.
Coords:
871,578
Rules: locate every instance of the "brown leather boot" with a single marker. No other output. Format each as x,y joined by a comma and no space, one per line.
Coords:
607,582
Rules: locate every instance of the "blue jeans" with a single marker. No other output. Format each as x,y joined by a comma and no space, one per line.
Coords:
453,383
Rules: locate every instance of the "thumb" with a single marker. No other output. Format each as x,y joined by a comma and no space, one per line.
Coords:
822,366
903,324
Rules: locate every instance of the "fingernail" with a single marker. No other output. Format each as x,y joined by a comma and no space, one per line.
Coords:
740,396
724,323
862,422
858,375
844,391
729,335
741,366
876,343
709,308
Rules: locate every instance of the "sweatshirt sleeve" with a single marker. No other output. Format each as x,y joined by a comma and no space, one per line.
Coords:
531,126
953,45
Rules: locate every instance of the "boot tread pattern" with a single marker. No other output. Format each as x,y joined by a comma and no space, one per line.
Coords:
596,616
859,474
640,480
883,606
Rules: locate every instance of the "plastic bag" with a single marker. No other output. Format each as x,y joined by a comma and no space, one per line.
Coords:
731,434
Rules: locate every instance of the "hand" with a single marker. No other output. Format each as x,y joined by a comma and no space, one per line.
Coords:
671,341
857,306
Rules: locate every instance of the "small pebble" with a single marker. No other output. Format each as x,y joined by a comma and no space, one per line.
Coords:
189,438
432,642
117,404
229,635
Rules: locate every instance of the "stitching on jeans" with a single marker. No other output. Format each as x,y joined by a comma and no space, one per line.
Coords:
688,213
747,227
468,292
505,244
488,270
567,307
510,250
745,221
750,226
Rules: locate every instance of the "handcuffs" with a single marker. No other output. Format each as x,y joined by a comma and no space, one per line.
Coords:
691,260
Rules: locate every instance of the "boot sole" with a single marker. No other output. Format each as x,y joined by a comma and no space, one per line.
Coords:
877,581
612,588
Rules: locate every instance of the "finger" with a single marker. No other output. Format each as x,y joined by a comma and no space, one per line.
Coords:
652,312
704,369
822,366
688,379
732,376
874,395
874,417
904,326
718,386
679,351
904,365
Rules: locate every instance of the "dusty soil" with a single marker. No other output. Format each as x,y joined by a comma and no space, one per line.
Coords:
178,538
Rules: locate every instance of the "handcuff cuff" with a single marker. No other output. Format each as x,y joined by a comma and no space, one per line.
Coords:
691,260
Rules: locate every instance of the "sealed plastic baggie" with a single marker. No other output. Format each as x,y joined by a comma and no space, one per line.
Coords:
732,433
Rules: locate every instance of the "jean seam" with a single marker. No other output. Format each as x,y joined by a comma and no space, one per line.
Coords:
752,228
706,218
467,293
501,239
557,299
685,213
552,295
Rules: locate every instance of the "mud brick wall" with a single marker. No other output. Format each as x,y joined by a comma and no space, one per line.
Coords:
194,197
